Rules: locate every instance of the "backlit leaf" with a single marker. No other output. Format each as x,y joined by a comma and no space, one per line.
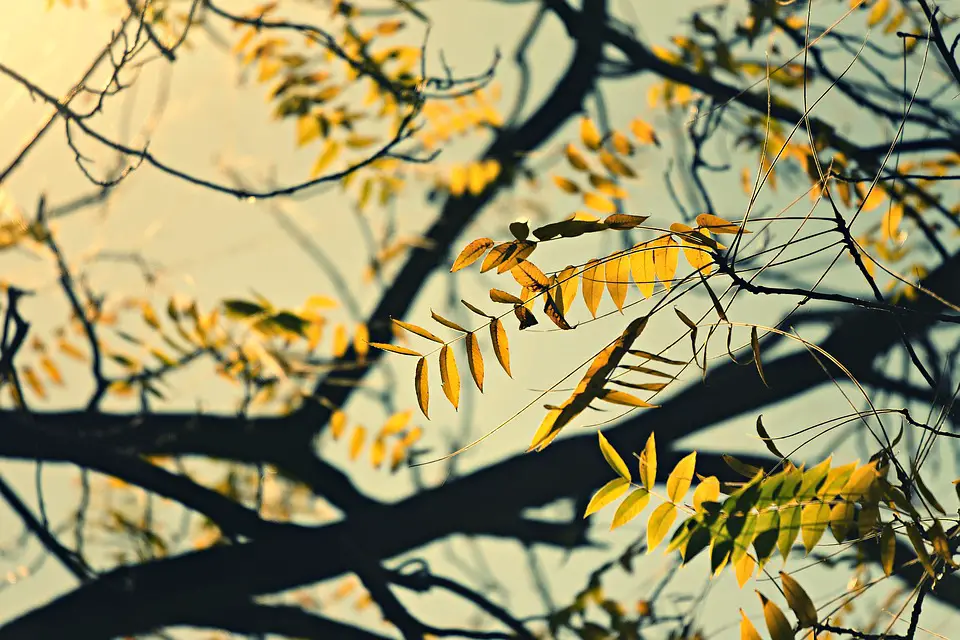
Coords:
643,132
607,494
617,274
422,383
714,224
707,491
678,483
592,286
747,630
648,463
356,441
396,349
916,539
813,522
475,359
503,297
575,158
471,253
498,255
659,524
643,268
743,568
799,601
789,529
338,424
450,376
529,275
569,281
598,202
589,134
612,457
450,324
625,399
777,623
666,255
568,186
420,331
498,337
631,507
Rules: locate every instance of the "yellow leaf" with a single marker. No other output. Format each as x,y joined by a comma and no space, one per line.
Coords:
340,344
589,134
356,441
378,451
643,132
471,253
529,275
361,340
565,185
747,630
607,494
841,519
450,376
477,180
450,324
598,202
799,601
503,297
707,491
33,381
621,143
890,224
777,623
625,399
458,180
50,368
331,149
569,281
813,522
396,349
615,165
612,457
498,255
575,158
659,524
888,548
631,507
422,383
308,128
873,200
338,423
420,331
498,337
643,268
395,423
878,12
859,482
743,568
592,286
678,483
617,274
648,463
714,224
665,257
475,359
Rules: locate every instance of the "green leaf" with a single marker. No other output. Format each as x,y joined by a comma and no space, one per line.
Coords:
607,494
613,458
678,482
799,601
860,482
242,308
631,507
659,524
813,522
762,431
812,479
789,528
777,623
765,540
648,463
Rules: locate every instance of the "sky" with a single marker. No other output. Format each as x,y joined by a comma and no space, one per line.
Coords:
214,247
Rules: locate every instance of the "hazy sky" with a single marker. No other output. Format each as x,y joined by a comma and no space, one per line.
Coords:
213,246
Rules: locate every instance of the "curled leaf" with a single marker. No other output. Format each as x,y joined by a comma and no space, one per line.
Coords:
450,376
422,384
